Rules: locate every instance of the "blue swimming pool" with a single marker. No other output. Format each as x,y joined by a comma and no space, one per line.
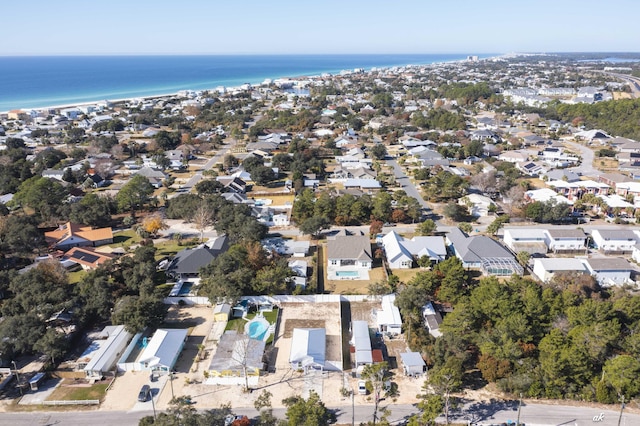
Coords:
257,329
347,274
185,289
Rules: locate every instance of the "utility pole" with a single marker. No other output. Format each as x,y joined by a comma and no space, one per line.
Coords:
171,382
15,368
621,408
519,406
153,405
353,408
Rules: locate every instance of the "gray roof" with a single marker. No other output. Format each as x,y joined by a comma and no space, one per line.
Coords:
566,233
190,260
233,348
412,359
616,234
349,247
561,264
476,248
559,174
609,264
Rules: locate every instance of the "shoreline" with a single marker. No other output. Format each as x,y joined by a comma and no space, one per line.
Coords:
313,75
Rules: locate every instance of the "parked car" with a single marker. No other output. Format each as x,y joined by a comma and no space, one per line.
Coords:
145,393
362,387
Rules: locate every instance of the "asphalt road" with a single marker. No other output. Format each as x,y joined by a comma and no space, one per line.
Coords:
477,413
405,182
586,165
197,177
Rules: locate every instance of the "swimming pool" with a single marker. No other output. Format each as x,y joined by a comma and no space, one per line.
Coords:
347,273
257,329
185,289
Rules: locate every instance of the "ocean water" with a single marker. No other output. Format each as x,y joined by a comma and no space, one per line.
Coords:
39,81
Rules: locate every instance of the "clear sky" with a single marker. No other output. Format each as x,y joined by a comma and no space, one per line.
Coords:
43,27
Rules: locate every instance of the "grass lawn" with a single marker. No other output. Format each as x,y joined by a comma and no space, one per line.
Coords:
169,248
76,276
127,237
239,323
405,275
73,393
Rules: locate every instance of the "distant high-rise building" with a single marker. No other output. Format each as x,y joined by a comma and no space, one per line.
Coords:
472,58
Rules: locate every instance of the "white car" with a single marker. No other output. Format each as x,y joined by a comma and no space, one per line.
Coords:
362,387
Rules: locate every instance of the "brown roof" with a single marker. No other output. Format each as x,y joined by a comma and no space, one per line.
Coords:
69,229
88,257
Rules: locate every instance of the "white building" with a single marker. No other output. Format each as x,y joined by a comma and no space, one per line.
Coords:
545,269
388,318
566,240
614,240
108,351
530,240
361,341
163,350
610,271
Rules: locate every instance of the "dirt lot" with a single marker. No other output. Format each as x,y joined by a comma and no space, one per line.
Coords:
293,315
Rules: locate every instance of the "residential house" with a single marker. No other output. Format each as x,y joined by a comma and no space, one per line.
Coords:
72,234
566,240
401,253
546,268
514,156
619,241
478,205
484,253
103,353
188,262
530,240
349,257
610,271
360,344
388,318
563,175
233,184
155,177
546,194
412,364
613,179
531,168
163,350
87,258
237,360
432,319
308,349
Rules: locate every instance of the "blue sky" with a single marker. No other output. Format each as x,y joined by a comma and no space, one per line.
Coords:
41,27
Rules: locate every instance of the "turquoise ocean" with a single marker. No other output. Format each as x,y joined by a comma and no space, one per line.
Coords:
39,81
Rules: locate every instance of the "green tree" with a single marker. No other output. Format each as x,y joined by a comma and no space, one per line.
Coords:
314,225
378,151
134,194
523,258
273,279
376,375
455,211
445,380
138,312
307,412
427,227
430,406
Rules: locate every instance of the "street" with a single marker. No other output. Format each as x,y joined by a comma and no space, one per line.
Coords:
481,413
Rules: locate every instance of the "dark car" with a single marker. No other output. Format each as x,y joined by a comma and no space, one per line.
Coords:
145,393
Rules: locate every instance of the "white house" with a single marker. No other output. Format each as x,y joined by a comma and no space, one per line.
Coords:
531,240
388,318
546,268
478,205
163,350
614,240
104,353
361,342
610,271
401,252
308,349
432,319
349,257
565,240
412,364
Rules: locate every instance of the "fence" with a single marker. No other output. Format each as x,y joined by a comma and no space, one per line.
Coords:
188,300
73,402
